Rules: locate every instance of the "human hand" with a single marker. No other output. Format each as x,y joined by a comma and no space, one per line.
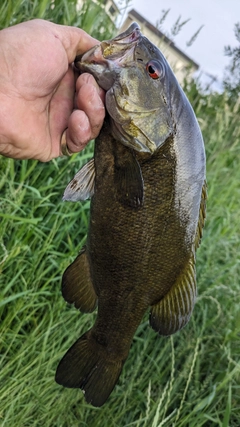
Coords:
38,91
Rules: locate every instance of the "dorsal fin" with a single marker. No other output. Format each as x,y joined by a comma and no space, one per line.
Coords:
173,312
202,216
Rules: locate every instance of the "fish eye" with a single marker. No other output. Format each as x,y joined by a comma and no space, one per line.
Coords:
154,69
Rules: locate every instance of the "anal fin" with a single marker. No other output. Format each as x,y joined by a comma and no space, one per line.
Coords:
173,312
77,287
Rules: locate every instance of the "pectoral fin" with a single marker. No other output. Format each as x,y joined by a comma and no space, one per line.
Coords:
77,287
82,185
128,180
173,312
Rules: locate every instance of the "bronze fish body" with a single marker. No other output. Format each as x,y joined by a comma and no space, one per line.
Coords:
147,189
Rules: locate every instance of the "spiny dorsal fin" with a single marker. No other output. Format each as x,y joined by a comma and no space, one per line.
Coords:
77,287
82,185
202,216
173,312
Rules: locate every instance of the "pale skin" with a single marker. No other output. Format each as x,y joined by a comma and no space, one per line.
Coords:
40,95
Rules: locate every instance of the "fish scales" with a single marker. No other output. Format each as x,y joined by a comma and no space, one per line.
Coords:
139,231
148,193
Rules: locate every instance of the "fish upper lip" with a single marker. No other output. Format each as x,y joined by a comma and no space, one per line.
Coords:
131,35
112,48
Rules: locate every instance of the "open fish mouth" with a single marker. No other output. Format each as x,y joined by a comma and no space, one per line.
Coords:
109,49
115,47
104,61
130,35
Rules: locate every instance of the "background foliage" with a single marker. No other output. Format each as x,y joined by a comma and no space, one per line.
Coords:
191,379
232,77
90,16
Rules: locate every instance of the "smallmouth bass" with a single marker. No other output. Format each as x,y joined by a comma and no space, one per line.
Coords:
148,193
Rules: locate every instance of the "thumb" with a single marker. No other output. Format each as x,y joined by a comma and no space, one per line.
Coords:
74,40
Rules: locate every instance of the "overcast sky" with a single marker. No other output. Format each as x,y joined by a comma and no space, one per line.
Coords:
218,18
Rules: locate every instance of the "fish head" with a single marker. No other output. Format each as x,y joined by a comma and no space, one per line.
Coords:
136,77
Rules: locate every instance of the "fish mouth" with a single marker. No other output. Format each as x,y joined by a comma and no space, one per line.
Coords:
110,48
130,35
115,47
104,61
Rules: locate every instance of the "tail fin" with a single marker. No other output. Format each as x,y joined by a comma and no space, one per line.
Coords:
89,366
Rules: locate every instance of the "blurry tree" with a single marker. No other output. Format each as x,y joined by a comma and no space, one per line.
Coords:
232,75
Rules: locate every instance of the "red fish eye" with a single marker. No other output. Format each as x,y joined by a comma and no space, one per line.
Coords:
154,69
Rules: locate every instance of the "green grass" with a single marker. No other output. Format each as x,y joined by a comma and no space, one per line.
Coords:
191,379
